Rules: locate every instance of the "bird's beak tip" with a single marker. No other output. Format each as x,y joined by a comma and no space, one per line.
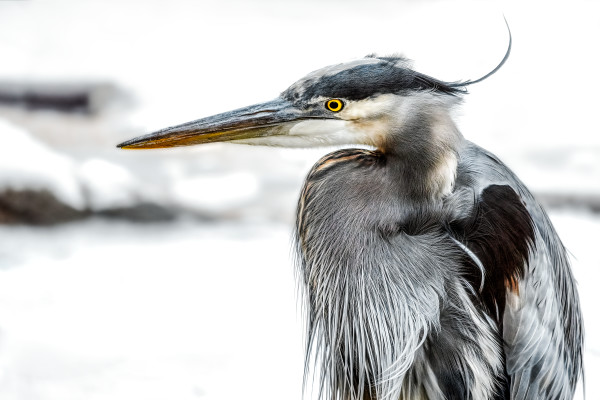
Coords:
156,140
128,145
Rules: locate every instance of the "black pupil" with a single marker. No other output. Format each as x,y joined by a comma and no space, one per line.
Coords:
334,104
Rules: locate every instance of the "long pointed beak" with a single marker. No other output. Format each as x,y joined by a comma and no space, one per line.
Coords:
260,120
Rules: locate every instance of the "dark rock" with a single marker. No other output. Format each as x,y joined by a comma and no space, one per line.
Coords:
41,207
143,212
35,208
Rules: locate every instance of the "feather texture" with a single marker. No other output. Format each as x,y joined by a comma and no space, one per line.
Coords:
394,305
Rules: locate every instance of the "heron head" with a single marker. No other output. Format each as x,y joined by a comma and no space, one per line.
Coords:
372,101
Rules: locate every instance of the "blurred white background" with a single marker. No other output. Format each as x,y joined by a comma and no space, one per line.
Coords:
201,304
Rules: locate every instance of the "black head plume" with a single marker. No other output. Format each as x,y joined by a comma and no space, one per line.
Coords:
492,72
376,75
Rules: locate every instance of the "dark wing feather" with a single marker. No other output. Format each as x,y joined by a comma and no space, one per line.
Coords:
500,233
528,284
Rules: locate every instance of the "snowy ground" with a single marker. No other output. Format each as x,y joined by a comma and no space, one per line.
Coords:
119,311
112,311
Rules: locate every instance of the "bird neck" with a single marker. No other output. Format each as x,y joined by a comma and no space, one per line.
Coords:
424,153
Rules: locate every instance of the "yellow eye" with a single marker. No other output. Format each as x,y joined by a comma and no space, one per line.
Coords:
334,105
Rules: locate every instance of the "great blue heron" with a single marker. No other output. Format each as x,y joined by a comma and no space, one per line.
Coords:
430,271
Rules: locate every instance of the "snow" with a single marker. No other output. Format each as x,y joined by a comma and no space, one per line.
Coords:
106,184
25,163
227,191
111,311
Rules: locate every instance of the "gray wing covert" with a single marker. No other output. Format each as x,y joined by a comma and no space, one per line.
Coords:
528,286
